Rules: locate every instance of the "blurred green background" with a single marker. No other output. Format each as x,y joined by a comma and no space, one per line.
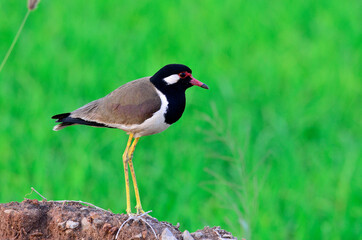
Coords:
272,150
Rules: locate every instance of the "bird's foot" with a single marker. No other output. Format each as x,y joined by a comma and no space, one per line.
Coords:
139,210
137,217
128,211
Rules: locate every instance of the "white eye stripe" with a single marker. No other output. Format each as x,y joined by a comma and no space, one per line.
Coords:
172,79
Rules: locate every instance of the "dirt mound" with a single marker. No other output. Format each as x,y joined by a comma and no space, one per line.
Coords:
33,219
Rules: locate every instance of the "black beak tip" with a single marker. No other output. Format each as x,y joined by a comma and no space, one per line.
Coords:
204,86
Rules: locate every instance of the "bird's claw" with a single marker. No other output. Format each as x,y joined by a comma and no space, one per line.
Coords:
139,210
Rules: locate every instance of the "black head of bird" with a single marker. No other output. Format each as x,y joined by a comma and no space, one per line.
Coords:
141,107
175,77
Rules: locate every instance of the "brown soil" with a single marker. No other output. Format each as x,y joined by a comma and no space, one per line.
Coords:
33,219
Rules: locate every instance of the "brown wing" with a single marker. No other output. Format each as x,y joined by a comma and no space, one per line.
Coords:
131,103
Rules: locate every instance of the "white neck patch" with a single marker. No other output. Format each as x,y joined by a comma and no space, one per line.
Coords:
172,79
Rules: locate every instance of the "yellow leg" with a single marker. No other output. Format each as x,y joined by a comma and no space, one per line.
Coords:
130,156
125,165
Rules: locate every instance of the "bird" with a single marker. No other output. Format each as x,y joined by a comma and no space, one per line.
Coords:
141,107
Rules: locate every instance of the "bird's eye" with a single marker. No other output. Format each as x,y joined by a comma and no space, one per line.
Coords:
182,75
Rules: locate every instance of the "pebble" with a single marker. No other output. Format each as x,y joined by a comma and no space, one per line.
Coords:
187,236
98,222
167,235
86,225
61,225
198,234
8,211
138,236
71,224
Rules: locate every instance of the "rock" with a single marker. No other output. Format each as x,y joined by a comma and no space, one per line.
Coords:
198,234
71,224
9,211
86,225
167,235
228,236
61,225
98,222
187,236
57,220
138,236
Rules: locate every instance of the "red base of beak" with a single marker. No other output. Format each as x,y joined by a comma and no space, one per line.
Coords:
198,83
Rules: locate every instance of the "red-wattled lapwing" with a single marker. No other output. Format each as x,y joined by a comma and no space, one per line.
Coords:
142,107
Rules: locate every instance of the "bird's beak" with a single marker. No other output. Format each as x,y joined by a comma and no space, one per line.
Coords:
196,82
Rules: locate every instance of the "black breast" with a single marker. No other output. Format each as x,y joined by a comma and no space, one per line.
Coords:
176,106
175,95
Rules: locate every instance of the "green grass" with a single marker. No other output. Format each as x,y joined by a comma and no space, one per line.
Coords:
272,150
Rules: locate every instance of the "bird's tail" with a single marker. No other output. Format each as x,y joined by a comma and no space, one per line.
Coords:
66,120
62,118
